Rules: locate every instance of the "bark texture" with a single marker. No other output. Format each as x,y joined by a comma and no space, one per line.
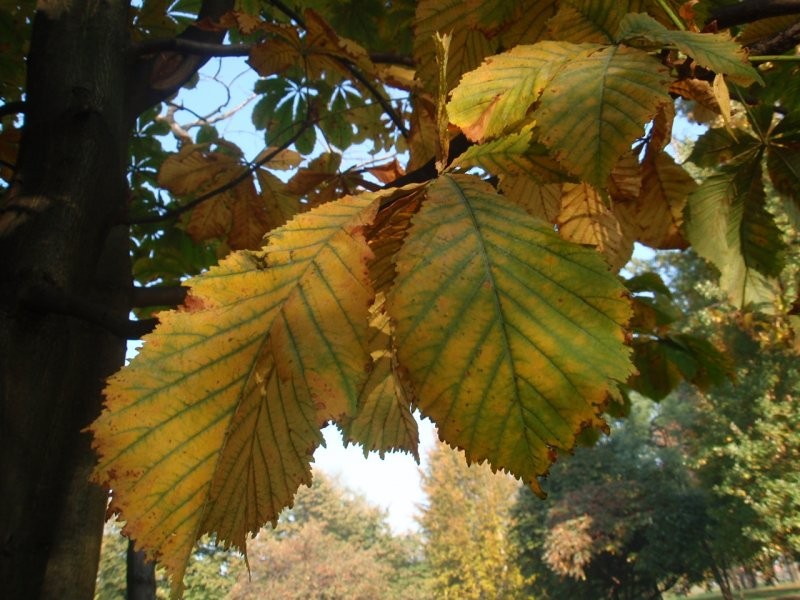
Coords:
56,230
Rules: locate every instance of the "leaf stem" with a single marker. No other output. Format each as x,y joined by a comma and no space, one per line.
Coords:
664,4
775,58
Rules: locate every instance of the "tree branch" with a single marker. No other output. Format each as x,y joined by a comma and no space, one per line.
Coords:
186,46
157,76
777,44
251,168
44,298
12,108
752,10
374,92
170,295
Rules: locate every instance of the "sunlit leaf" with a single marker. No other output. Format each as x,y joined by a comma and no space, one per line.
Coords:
510,336
496,96
715,51
383,420
212,426
597,105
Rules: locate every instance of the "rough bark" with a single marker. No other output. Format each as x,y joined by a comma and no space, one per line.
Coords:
56,230
141,576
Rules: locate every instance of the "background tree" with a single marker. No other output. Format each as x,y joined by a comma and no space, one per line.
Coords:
331,543
219,414
466,523
622,520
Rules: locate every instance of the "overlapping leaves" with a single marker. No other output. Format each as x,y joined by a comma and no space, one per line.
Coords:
212,426
510,336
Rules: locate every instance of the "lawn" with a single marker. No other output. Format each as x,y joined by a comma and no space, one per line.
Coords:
786,591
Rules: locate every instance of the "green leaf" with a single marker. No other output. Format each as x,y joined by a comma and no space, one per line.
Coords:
594,108
496,96
212,426
718,146
783,157
514,154
728,225
511,337
715,51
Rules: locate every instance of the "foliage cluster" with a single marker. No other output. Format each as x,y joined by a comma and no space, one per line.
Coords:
478,282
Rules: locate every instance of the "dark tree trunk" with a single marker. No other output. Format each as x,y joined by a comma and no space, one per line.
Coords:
141,576
56,234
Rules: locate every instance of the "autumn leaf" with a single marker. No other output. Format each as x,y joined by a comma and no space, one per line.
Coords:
510,337
593,109
513,154
656,214
383,420
542,201
585,219
496,96
212,426
715,51
469,44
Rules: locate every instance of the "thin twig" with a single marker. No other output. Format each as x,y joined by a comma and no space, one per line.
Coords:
185,46
168,295
374,92
251,168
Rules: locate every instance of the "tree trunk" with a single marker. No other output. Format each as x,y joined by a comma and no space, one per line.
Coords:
56,234
141,576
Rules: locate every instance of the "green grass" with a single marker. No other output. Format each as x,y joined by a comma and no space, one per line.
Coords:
780,592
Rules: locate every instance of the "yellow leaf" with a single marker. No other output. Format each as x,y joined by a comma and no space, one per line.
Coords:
511,337
513,154
194,169
541,201
496,96
585,219
283,161
658,212
468,47
597,105
383,420
212,426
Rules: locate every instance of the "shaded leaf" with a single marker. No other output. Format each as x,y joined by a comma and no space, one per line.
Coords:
510,336
212,426
728,225
513,154
540,201
469,44
657,215
783,157
585,219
